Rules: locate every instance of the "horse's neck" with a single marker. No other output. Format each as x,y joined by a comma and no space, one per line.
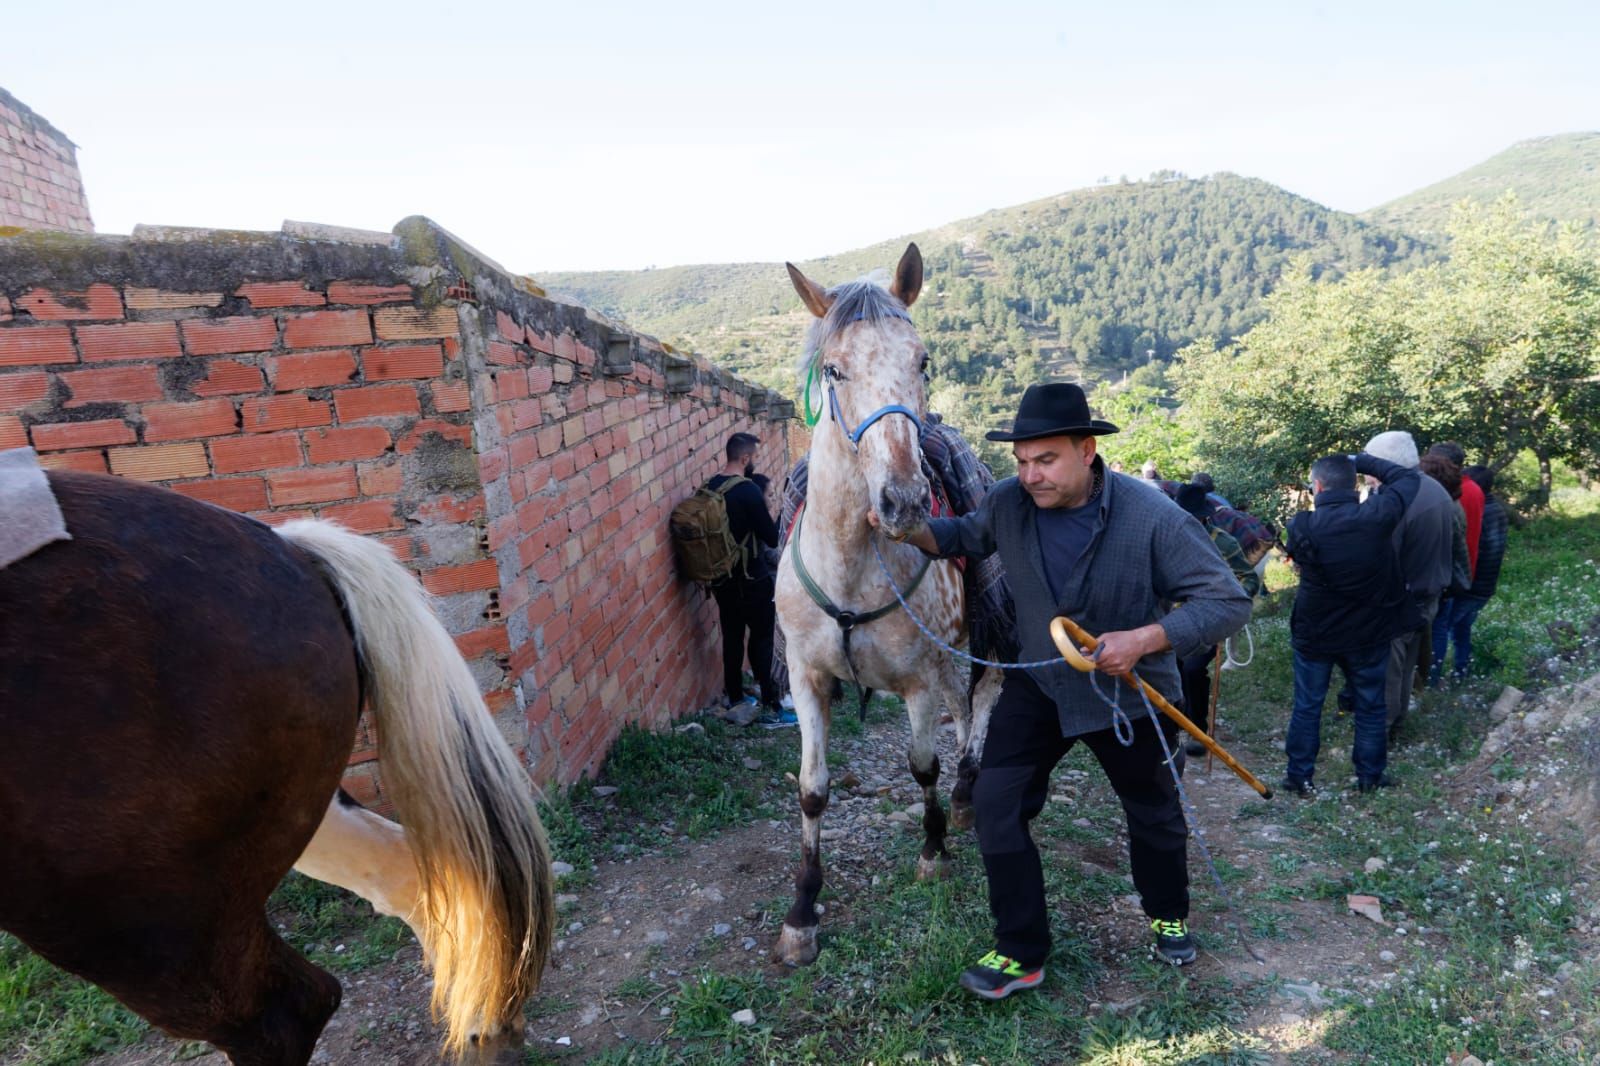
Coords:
836,531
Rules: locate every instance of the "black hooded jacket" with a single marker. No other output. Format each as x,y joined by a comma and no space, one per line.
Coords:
1352,592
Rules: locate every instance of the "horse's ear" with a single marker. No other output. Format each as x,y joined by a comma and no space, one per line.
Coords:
817,300
908,276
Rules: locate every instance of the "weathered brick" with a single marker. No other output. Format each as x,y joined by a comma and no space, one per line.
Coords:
327,329
367,516
467,577
100,301
316,370
234,493
413,438
410,361
162,300
450,509
12,435
122,384
220,336
269,414
355,292
412,323
343,445
376,401
59,436
182,421
508,327
451,396
90,462
380,478
280,294
135,340
315,485
227,377
23,389
237,455
160,462
502,354
25,346
486,641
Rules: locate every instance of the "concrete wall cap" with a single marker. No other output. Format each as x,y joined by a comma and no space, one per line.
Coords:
319,231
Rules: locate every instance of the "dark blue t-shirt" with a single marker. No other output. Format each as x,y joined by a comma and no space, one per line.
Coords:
1064,532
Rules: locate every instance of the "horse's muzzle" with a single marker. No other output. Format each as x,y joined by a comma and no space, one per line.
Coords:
902,508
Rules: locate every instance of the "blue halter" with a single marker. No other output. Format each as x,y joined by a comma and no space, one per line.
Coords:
856,434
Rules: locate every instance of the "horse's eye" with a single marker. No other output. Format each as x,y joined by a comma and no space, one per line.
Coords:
925,366
831,371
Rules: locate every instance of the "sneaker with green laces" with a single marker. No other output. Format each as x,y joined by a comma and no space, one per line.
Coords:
996,977
1173,942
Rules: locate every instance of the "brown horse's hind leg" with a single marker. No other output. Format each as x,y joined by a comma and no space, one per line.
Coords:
269,1011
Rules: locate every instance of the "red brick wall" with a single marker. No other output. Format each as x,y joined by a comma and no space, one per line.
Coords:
40,187
471,425
581,468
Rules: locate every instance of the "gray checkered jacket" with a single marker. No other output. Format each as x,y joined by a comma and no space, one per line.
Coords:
1145,554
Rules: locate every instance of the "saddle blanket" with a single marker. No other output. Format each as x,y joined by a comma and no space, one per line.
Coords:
30,518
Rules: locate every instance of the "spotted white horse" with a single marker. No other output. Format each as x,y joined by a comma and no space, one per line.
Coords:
840,617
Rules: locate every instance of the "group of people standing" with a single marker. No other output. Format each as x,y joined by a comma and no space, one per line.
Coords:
1386,585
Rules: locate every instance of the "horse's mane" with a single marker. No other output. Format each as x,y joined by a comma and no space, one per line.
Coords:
862,300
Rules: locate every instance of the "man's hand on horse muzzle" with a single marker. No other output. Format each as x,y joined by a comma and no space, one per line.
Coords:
920,537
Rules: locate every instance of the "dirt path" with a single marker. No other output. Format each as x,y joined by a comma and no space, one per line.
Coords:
640,924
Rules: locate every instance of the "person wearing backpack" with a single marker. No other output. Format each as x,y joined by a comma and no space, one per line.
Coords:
744,595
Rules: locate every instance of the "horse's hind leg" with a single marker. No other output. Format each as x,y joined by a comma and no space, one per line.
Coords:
984,694
229,981
797,944
923,706
367,854
271,1003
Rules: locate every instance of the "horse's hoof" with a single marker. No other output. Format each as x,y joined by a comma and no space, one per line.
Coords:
934,869
963,816
796,947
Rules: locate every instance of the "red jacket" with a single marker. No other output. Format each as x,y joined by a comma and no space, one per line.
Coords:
1472,504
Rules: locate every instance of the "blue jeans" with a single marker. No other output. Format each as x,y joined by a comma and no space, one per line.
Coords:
1364,670
1454,625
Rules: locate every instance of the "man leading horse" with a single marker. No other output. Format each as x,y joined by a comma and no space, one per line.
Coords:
1093,545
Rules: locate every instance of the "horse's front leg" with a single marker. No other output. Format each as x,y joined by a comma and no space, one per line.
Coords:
797,945
924,706
981,700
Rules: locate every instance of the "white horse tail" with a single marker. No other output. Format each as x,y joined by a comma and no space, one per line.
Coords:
486,911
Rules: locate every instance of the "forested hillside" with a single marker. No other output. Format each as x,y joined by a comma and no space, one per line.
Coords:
1552,177
1083,286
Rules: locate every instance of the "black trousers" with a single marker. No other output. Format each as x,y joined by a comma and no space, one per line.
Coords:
1195,671
1024,744
745,606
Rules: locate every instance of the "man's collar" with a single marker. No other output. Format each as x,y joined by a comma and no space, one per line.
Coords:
1327,496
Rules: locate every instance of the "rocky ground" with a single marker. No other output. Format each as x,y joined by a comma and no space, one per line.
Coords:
644,921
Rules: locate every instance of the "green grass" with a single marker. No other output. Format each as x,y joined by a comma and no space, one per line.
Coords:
1486,899
53,1019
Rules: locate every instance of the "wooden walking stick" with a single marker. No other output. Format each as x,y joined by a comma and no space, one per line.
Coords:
1068,635
1216,690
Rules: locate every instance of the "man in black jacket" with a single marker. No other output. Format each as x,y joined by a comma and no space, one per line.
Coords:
744,599
1352,601
1096,546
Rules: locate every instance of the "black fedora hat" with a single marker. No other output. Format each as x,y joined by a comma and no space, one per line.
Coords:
1058,409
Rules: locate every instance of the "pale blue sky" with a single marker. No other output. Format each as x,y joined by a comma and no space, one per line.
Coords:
592,134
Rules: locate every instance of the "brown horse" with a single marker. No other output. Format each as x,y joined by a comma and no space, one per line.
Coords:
179,688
